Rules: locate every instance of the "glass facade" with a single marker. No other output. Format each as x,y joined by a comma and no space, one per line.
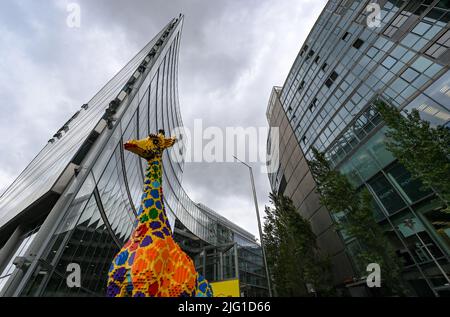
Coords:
97,185
328,98
234,248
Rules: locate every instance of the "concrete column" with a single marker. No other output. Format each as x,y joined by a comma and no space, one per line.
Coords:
221,266
9,248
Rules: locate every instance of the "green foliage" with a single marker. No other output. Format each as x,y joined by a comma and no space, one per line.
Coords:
292,254
338,195
423,150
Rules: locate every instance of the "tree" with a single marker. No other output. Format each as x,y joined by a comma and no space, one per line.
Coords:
423,150
338,195
292,253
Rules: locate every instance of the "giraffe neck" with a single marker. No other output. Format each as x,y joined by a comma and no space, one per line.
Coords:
152,211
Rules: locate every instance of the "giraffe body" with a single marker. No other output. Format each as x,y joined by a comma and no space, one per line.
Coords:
151,263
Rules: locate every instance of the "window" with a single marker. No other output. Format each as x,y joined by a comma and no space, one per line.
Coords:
410,75
413,189
317,59
329,82
437,14
444,4
313,105
422,8
397,23
358,43
334,76
440,46
386,193
389,62
304,50
345,37
310,54
324,67
421,28
301,86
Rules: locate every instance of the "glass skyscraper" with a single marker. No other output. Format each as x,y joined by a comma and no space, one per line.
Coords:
76,202
346,64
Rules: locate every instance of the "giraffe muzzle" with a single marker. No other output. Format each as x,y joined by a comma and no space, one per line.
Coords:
129,146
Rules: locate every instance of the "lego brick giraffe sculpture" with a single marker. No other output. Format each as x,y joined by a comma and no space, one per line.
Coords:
151,263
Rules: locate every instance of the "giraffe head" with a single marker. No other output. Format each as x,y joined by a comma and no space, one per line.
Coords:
151,147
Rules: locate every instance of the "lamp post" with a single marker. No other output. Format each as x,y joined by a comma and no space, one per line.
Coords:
259,225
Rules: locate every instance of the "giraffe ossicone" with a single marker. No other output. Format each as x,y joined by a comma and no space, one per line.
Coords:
151,263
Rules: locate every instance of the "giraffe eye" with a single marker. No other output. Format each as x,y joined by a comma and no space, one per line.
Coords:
155,142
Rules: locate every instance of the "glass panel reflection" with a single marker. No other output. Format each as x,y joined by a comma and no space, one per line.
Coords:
387,194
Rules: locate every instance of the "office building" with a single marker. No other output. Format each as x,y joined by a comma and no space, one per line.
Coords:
349,61
76,203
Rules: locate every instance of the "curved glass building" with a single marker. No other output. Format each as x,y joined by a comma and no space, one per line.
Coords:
76,202
348,61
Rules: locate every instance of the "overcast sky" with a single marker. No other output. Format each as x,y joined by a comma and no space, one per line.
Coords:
232,53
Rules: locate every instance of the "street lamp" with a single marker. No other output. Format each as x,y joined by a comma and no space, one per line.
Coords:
259,225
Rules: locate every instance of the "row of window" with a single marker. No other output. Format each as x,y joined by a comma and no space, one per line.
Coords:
399,91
